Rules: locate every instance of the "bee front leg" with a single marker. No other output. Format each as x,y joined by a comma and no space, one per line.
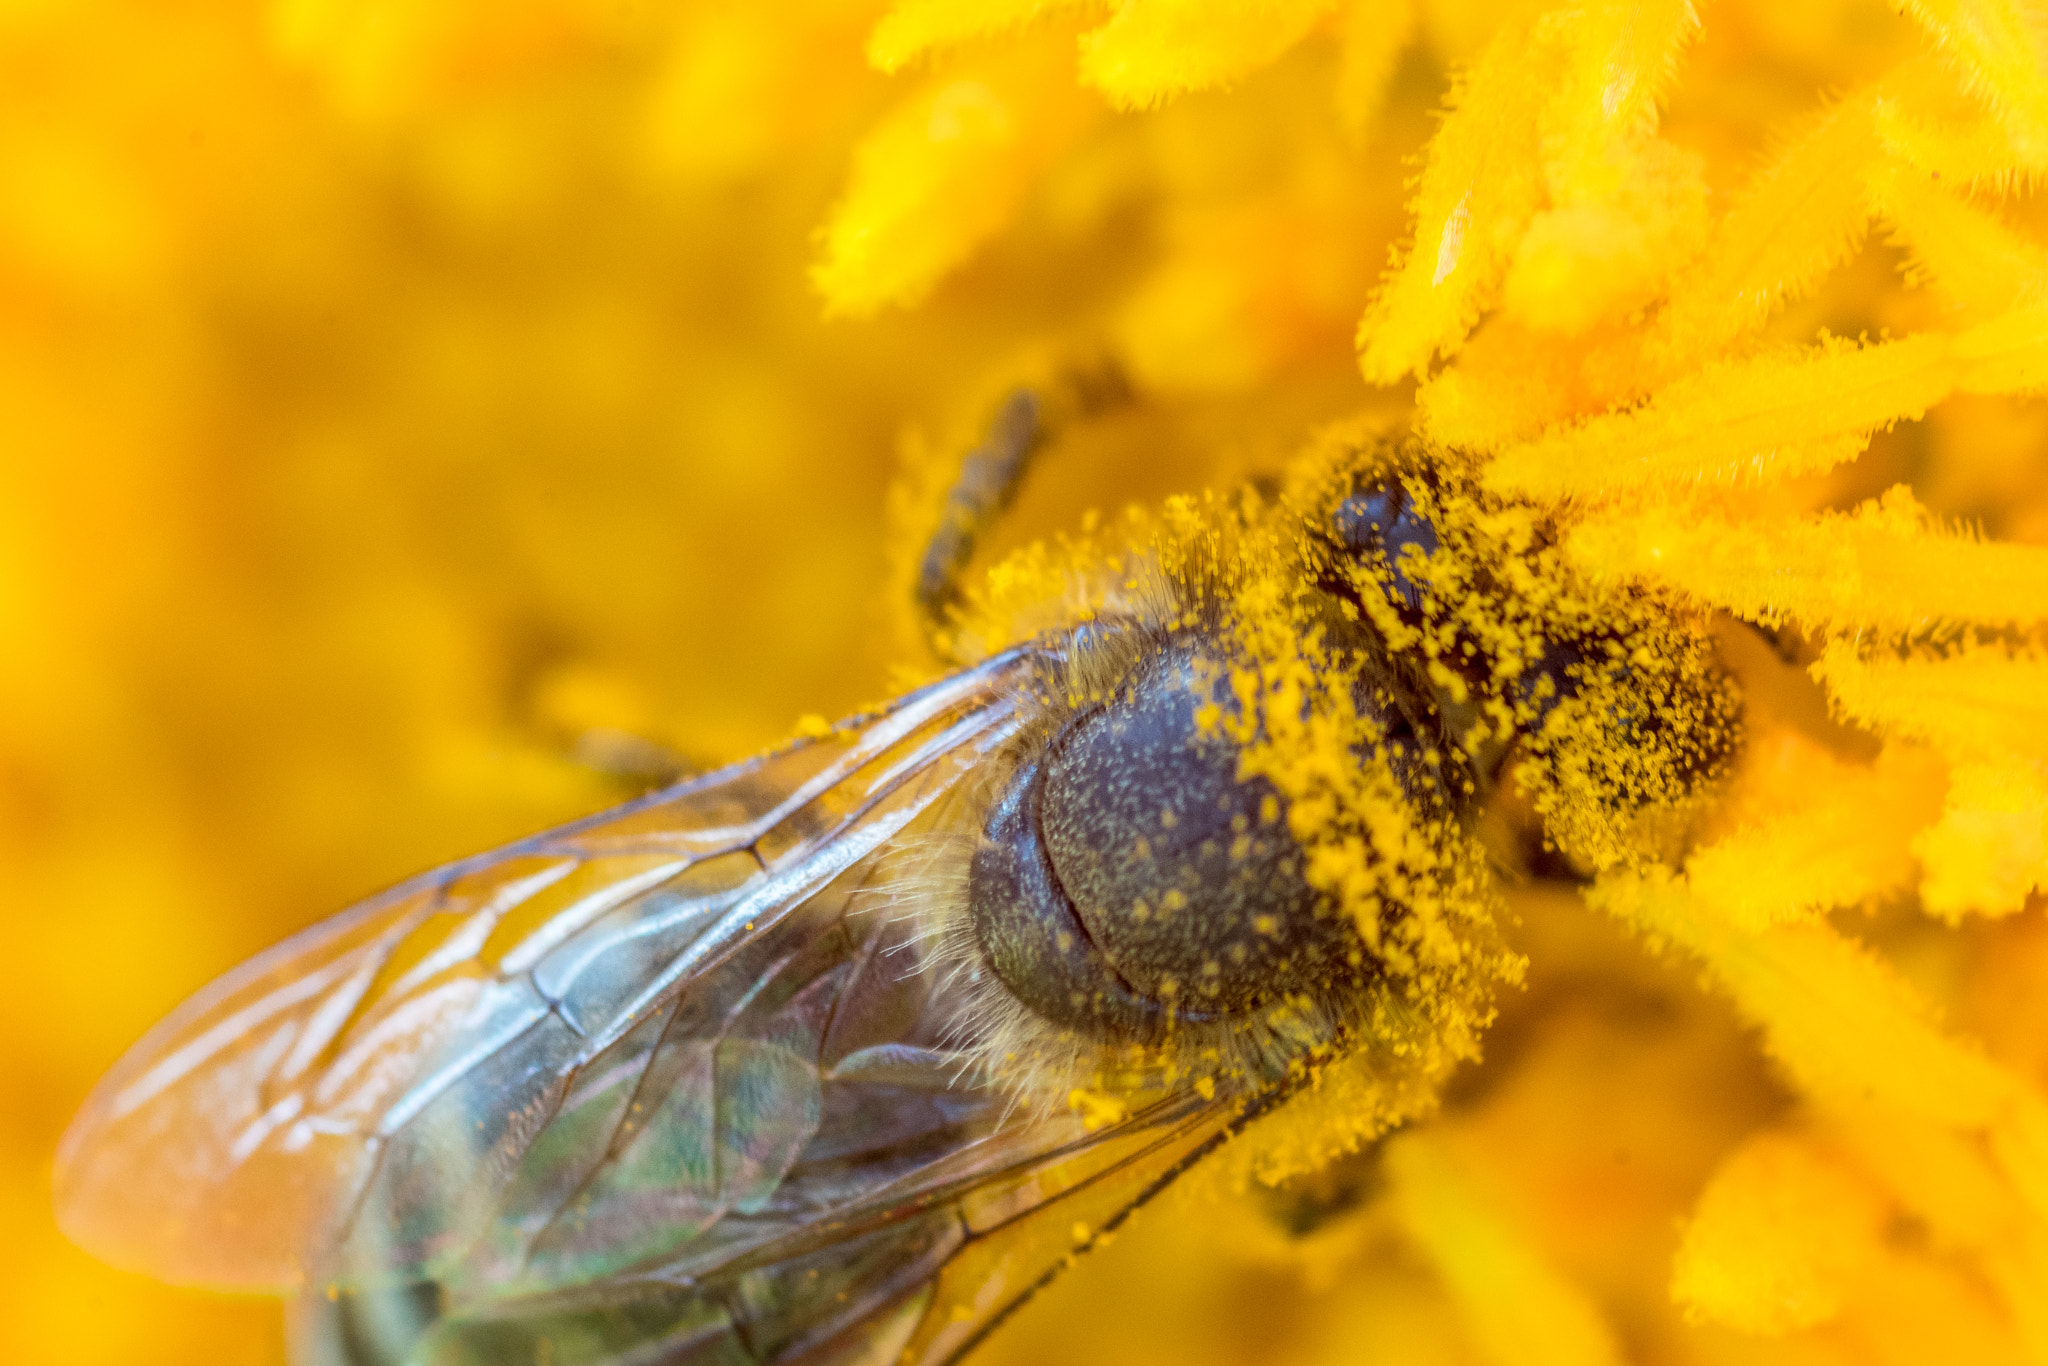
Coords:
988,481
1025,422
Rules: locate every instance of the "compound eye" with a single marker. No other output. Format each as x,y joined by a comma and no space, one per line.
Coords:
1376,525
1182,873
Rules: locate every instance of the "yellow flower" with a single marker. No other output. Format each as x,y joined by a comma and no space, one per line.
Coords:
409,407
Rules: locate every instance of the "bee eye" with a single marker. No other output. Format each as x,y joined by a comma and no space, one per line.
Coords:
1376,524
1130,877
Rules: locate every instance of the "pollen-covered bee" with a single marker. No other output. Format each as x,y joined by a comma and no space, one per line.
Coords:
836,1054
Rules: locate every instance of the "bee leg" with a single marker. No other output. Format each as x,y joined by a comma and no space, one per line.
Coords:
632,761
989,476
1304,1204
991,473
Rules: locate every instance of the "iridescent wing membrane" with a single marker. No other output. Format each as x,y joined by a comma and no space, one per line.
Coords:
671,1084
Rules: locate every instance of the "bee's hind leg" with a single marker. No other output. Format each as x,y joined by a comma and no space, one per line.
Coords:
634,762
1025,422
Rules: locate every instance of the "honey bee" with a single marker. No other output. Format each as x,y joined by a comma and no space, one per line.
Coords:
838,1053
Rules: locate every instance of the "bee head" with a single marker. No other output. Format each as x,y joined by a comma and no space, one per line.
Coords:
1604,699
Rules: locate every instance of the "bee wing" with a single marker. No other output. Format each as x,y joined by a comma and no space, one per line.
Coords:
670,1084
908,1251
353,1102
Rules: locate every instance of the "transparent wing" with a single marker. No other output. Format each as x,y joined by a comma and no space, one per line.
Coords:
662,1085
